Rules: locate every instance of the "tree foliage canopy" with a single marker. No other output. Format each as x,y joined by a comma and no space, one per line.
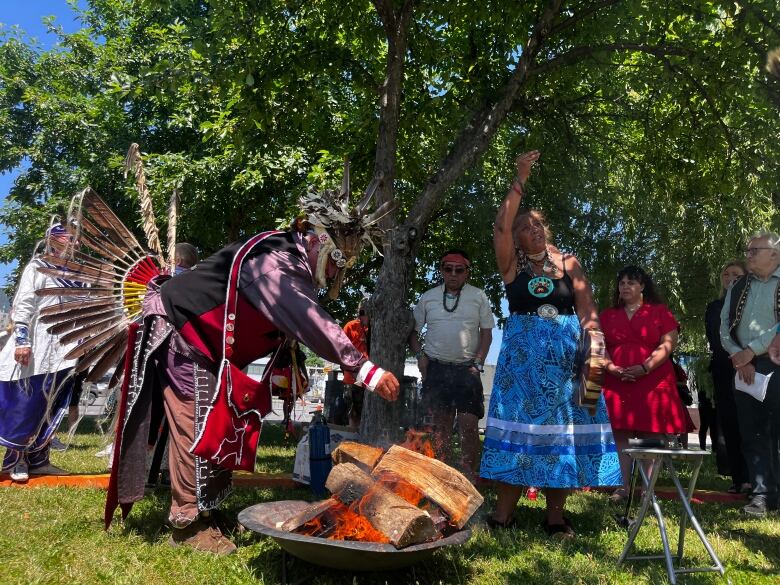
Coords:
656,121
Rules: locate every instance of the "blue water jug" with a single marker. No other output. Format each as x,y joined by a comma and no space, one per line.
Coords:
320,462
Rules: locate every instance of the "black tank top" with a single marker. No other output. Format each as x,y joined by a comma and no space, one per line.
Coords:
527,293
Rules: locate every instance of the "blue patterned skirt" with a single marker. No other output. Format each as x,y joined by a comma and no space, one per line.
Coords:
536,435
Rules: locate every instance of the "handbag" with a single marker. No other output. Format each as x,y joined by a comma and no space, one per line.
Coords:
682,383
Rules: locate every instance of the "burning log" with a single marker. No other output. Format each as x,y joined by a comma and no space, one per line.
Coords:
307,514
403,523
364,456
437,481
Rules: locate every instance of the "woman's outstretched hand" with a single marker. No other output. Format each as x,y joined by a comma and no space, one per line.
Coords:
524,163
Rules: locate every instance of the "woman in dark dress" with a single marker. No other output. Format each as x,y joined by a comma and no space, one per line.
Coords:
728,447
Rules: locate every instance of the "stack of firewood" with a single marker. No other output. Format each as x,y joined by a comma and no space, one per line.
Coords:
408,498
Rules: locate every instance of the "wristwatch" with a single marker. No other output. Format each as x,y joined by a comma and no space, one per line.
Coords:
478,364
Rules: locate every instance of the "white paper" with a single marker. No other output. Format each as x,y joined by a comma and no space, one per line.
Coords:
757,389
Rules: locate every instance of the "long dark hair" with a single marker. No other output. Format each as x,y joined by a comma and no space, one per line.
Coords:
739,264
649,294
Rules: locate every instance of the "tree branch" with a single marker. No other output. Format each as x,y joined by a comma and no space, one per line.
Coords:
575,54
759,16
396,27
582,14
475,138
707,98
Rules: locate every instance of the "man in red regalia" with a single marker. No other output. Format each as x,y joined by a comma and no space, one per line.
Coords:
203,327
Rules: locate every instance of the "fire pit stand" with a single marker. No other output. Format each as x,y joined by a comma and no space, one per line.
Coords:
336,554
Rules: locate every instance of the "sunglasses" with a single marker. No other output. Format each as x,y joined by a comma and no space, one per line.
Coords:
454,269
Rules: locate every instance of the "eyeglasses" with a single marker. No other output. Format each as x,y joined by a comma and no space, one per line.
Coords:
454,269
754,251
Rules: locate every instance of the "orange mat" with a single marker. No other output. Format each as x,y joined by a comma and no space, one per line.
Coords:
80,481
240,479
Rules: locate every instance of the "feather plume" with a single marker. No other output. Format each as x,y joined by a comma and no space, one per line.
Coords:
101,214
96,270
58,291
74,315
93,342
79,276
110,240
92,355
345,190
363,204
173,222
117,269
81,321
134,164
106,250
107,361
68,307
86,332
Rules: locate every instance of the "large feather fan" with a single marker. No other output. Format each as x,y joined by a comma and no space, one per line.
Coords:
116,268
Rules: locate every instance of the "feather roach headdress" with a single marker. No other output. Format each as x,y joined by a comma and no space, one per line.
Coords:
343,231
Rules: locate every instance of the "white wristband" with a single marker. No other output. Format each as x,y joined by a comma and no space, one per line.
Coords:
369,375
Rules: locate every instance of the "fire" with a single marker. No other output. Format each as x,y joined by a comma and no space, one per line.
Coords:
400,487
342,523
419,442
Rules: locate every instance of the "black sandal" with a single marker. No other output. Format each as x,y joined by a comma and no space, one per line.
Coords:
560,531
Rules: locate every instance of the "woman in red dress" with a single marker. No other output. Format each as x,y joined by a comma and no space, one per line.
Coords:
640,386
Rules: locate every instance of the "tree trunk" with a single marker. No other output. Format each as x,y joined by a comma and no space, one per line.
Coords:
391,319
391,323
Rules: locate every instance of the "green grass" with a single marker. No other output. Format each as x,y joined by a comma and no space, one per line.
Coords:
55,535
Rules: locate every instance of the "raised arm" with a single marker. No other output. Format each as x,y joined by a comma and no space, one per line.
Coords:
503,242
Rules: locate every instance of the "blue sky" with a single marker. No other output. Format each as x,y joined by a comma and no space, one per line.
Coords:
28,16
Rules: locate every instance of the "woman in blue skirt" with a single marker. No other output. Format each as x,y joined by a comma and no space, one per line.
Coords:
536,435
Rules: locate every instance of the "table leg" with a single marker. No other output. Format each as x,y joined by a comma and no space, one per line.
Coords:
657,467
684,496
694,522
649,484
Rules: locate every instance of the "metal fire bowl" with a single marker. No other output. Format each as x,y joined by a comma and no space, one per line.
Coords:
337,554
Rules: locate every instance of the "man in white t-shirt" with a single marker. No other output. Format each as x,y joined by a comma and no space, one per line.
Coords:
458,326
